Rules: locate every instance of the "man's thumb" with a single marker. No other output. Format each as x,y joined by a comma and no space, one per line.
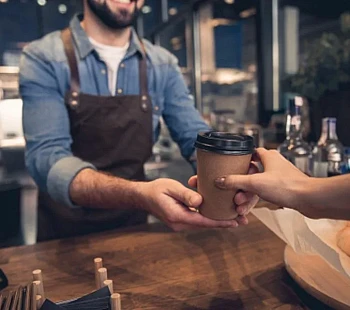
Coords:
187,196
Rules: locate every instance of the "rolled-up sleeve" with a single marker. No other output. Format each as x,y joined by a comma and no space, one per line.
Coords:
46,128
181,116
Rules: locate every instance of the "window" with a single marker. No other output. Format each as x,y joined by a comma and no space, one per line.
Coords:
177,39
22,21
228,62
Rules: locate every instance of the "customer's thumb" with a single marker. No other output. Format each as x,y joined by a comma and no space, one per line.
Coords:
235,182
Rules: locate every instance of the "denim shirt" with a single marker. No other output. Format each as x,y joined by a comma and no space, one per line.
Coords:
45,78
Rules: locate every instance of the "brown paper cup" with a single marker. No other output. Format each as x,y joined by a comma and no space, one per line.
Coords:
218,204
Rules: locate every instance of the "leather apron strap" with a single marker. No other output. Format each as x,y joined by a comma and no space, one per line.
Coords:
67,38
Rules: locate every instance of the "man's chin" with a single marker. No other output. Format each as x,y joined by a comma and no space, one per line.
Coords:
118,22
123,19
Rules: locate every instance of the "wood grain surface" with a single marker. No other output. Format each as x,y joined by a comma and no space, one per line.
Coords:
153,268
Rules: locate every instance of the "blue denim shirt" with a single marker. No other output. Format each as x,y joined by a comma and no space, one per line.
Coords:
45,78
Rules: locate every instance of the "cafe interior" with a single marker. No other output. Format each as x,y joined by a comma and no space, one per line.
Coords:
275,70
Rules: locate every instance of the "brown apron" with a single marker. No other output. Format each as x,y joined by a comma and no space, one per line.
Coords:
112,133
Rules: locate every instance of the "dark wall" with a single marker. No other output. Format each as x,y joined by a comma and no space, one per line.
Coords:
22,21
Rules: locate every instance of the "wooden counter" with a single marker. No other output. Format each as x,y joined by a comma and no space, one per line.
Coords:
154,268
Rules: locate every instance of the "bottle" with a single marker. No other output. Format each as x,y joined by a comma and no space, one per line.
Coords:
328,156
346,167
335,165
294,148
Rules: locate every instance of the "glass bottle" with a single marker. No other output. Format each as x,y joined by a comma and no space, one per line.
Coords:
335,165
346,167
294,148
328,156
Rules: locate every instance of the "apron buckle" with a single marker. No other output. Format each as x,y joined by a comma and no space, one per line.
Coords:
74,100
144,106
74,103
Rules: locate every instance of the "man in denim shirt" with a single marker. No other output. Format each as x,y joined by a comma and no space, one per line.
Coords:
87,113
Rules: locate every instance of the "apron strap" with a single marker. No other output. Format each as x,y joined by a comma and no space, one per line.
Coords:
143,73
68,44
67,39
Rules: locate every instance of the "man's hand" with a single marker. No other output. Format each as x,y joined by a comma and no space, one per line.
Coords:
244,201
170,201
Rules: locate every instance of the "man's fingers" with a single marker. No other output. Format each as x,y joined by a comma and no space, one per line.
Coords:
184,227
193,181
240,220
185,195
196,219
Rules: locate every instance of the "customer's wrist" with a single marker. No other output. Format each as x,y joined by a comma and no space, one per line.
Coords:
308,196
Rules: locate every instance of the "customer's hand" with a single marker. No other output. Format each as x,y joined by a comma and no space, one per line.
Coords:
281,183
244,201
170,201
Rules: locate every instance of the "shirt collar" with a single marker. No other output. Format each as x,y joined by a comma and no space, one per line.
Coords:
84,45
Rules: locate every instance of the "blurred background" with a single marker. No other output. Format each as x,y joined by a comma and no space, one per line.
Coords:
243,60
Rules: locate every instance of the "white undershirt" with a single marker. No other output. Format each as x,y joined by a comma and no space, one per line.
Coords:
112,56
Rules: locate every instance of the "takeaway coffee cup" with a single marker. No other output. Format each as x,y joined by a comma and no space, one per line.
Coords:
220,154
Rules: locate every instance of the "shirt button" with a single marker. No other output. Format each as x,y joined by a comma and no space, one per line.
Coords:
122,65
156,108
144,98
103,71
74,94
74,103
120,91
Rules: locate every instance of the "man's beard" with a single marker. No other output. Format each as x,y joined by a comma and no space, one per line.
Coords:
113,20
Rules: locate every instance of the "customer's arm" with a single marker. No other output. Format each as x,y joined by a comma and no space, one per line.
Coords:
283,184
330,197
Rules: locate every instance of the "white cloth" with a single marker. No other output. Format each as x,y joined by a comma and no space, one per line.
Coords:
112,56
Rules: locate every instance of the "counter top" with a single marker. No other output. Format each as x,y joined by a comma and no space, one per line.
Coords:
154,268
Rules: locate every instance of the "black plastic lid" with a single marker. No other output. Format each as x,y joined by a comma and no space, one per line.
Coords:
225,143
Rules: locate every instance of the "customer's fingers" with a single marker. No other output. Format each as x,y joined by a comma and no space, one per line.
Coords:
193,181
242,197
245,208
253,168
242,220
